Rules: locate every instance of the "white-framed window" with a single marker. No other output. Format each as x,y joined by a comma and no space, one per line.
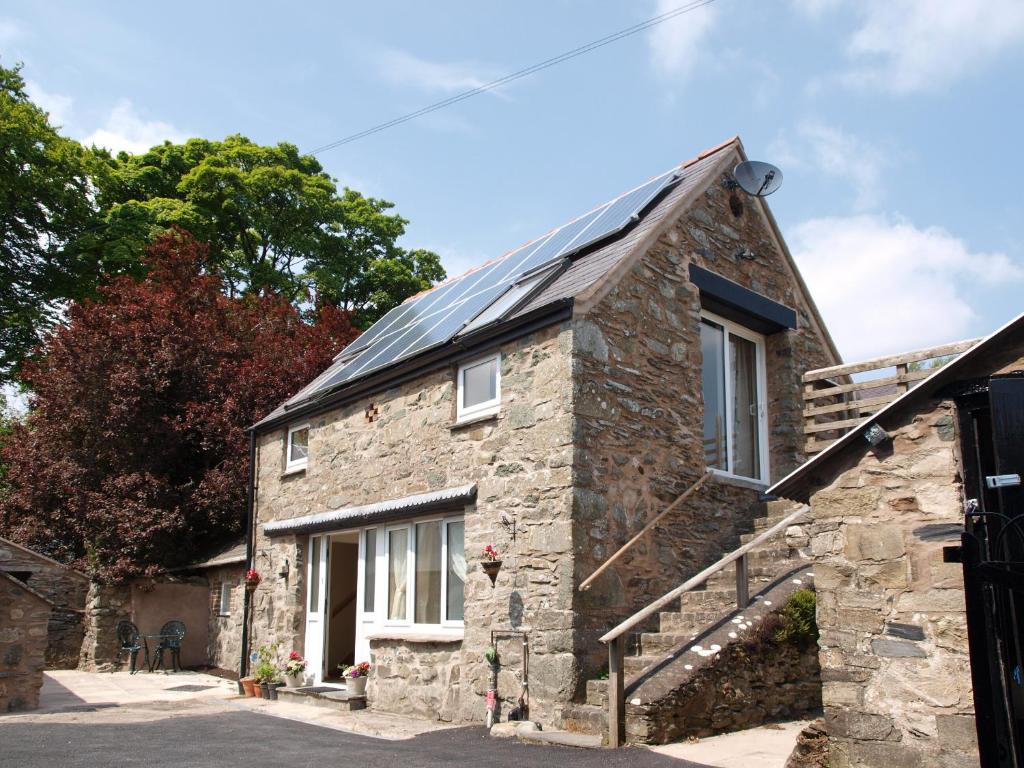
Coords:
297,448
368,555
224,606
478,390
735,404
424,573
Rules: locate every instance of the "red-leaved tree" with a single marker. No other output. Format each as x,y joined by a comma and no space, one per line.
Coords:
134,457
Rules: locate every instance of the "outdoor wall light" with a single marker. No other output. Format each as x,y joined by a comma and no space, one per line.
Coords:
283,573
875,435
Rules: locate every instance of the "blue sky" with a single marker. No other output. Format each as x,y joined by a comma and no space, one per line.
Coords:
894,122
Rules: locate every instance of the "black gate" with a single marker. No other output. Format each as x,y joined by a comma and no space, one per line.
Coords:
992,435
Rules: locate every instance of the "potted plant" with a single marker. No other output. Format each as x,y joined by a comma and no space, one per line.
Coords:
294,670
248,685
355,678
491,564
266,671
252,579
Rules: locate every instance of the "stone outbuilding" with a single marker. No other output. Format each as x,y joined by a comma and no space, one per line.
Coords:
65,589
919,568
24,620
549,403
224,575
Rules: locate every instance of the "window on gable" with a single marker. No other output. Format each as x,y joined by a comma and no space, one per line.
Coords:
479,388
733,383
224,609
426,573
298,448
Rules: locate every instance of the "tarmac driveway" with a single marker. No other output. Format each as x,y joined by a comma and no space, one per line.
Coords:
244,739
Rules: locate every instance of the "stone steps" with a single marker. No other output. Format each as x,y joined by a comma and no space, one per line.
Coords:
700,625
338,699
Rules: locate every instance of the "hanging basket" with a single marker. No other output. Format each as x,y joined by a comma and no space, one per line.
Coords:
491,568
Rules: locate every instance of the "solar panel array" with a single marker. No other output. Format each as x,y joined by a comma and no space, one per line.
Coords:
436,316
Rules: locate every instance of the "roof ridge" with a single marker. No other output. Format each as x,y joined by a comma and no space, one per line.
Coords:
681,166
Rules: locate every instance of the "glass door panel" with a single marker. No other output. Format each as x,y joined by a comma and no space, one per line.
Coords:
744,432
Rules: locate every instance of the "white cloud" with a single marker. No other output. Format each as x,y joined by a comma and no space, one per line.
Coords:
835,153
57,104
675,44
902,46
815,8
126,130
10,30
403,68
884,285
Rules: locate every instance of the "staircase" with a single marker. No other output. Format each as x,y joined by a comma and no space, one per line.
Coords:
708,668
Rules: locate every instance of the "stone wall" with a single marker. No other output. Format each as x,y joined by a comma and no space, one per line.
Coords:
895,665
418,679
520,462
66,590
24,616
745,687
224,643
639,409
104,607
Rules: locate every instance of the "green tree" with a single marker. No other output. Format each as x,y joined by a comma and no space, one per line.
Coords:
275,222
45,193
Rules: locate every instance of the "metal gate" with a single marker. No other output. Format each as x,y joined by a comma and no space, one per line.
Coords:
992,552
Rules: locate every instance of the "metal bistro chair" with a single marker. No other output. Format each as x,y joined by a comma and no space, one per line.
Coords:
130,642
171,635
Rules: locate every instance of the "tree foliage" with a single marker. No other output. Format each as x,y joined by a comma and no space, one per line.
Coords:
274,220
44,189
134,454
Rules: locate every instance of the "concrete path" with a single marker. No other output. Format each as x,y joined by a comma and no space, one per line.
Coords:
69,689
768,746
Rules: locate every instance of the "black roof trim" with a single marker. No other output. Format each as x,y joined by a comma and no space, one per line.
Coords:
731,300
427,362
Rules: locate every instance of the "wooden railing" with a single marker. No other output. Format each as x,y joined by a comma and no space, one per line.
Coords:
615,639
585,585
834,403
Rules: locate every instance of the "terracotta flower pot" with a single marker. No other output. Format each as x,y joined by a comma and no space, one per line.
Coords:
247,685
257,690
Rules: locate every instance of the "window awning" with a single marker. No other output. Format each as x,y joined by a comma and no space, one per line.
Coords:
381,511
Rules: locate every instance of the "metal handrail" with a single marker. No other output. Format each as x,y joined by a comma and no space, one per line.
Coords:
585,585
614,638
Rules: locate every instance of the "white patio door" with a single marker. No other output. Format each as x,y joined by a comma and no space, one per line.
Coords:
316,605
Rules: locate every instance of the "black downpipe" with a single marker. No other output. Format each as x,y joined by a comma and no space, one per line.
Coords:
243,663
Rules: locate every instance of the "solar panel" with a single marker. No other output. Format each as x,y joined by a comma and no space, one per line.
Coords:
435,317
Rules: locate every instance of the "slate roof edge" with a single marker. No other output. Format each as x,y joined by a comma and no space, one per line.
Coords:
794,486
26,588
41,556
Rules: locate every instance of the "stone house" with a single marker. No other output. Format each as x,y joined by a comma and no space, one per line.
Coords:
548,403
24,618
920,646
65,589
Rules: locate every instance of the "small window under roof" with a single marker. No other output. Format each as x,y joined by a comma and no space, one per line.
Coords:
509,300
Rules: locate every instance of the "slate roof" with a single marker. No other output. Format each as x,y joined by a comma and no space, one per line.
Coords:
233,554
585,272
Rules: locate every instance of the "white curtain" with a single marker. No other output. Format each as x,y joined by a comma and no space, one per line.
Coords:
428,573
456,571
398,576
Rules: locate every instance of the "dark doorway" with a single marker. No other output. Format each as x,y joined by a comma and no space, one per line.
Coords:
992,442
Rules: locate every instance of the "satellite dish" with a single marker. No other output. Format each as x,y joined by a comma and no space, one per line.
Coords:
757,178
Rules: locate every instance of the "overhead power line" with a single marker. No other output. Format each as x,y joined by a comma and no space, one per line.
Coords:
533,68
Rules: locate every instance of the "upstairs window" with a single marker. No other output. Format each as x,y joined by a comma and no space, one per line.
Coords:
733,383
479,388
298,448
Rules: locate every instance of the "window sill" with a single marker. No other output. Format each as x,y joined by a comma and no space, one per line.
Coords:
725,478
412,636
223,615
470,421
293,471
